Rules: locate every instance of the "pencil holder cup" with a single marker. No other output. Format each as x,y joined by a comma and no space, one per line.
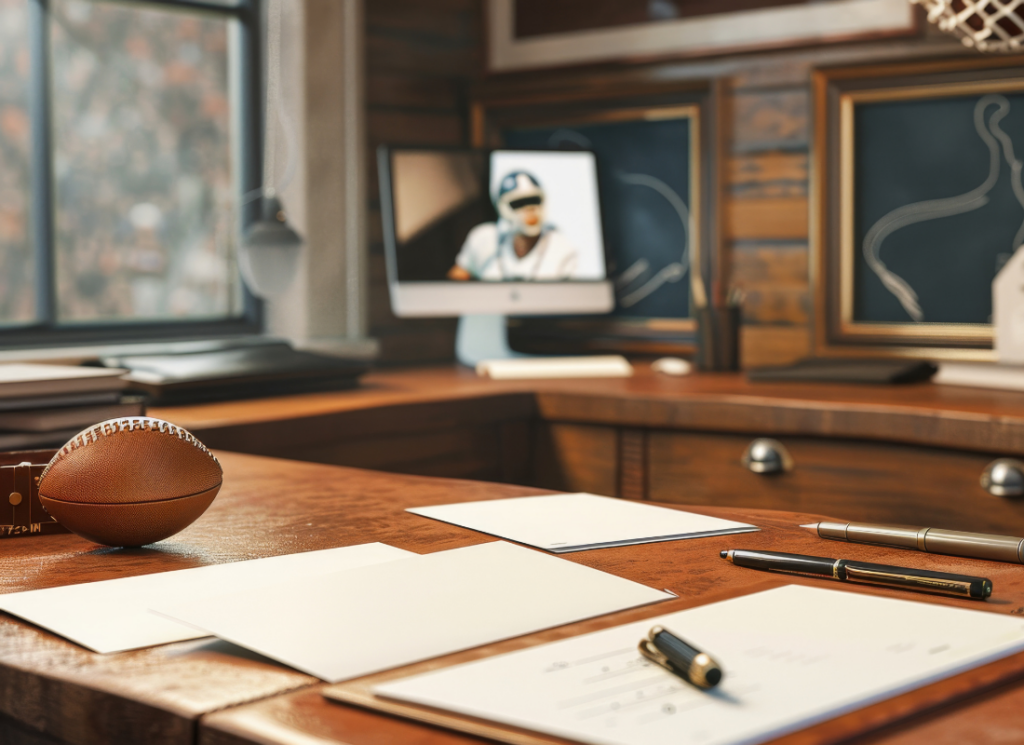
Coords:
718,338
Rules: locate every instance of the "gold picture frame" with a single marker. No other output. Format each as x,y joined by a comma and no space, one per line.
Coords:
837,93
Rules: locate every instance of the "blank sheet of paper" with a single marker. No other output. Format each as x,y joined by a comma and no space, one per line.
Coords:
351,623
791,656
575,522
113,615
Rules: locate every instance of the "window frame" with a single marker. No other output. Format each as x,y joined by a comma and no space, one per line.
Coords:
245,95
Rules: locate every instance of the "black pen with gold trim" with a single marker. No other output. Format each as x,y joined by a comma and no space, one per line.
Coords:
680,658
848,570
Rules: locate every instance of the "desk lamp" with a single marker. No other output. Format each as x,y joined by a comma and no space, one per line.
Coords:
269,254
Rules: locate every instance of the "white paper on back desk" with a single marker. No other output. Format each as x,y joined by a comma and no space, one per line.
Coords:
791,656
561,523
352,623
113,616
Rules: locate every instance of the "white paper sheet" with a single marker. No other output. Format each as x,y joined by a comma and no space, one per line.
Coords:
113,615
575,522
792,656
364,620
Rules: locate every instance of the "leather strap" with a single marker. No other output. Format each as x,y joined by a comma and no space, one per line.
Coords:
21,514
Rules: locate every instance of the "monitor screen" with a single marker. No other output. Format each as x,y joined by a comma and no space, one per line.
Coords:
459,222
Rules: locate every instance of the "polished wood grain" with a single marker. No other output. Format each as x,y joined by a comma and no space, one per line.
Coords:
775,218
909,454
859,480
767,345
427,398
577,457
267,507
52,691
691,569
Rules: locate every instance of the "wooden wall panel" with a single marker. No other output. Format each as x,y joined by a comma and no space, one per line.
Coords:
774,278
421,56
770,120
767,344
766,209
770,174
783,218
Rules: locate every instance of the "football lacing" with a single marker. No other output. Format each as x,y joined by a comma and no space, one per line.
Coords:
127,424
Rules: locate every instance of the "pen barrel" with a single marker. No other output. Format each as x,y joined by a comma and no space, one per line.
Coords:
900,536
974,545
687,661
958,585
933,540
774,561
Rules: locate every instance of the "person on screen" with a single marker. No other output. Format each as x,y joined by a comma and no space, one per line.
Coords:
520,246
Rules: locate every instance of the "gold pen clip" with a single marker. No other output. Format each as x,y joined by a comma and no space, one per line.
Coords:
651,652
648,650
692,665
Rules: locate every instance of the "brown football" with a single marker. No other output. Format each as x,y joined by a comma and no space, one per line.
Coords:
129,482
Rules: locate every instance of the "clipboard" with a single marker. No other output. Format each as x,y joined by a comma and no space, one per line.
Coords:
969,684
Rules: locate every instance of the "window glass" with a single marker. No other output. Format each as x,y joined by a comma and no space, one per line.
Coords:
16,263
144,204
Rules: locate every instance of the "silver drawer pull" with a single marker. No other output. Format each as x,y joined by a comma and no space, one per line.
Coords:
1004,478
766,456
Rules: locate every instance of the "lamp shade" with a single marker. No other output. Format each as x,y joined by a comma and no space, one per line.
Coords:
269,255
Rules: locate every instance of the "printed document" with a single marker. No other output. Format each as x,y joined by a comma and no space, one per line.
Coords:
791,657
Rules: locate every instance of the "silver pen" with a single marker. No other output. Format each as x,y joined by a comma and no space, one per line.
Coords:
929,540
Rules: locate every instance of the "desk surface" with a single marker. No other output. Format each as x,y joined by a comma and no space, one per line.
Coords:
52,691
963,418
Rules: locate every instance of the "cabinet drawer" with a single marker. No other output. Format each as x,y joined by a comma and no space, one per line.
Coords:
576,457
850,480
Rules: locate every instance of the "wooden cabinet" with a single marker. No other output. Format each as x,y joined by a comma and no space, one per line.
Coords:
902,454
847,479
576,457
854,480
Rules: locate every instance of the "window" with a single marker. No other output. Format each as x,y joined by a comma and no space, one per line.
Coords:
126,144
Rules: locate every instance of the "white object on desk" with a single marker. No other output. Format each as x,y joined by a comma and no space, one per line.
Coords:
113,616
352,623
524,368
672,366
792,656
981,375
1008,310
561,523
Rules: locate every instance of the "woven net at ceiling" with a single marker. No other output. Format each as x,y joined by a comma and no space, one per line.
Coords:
986,25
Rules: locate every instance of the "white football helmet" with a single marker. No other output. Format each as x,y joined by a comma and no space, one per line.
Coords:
520,200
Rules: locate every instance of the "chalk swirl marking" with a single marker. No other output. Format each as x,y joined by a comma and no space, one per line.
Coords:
670,272
934,209
677,269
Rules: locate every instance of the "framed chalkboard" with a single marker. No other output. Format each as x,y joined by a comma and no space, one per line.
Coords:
919,203
654,170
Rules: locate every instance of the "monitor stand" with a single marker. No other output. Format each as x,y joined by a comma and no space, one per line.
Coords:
482,337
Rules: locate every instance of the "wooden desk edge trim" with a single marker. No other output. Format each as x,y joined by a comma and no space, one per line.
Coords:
745,414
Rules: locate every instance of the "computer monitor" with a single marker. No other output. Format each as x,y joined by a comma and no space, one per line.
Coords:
482,233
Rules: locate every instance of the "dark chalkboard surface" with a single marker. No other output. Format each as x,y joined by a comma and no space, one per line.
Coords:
644,170
938,200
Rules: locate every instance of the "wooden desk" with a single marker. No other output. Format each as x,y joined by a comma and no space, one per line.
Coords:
209,692
907,454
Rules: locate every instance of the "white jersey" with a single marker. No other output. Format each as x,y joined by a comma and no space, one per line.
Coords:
489,255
